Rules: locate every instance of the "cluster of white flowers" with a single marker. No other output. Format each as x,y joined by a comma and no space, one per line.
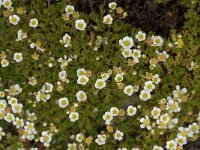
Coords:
43,94
29,131
64,61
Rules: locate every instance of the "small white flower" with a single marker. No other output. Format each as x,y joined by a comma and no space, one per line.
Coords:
18,57
128,90
181,140
136,53
3,105
183,131
63,102
4,63
45,138
107,19
140,36
131,111
157,148
14,19
19,123
81,96
73,116
157,40
145,95
107,117
47,87
136,88
80,137
165,118
7,3
149,86
66,40
118,78
100,84
21,35
112,5
193,129
72,146
126,42
82,79
118,135
126,53
41,96
172,106
69,9
114,111
32,45
146,123
9,117
156,79
155,112
62,75
12,101
33,23
17,108
171,145
80,24
81,71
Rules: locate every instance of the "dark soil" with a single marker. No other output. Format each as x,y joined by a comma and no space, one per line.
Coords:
145,14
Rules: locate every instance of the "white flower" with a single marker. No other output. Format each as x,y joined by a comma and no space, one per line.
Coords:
12,101
80,24
122,148
47,87
81,71
1,133
149,86
21,35
33,23
112,5
193,129
157,148
82,79
128,90
29,126
140,36
100,84
145,95
126,53
72,146
63,102
107,19
136,53
9,117
18,57
155,112
181,140
4,63
42,96
126,42
80,137
172,106
7,3
157,40
105,76
45,138
17,108
100,141
131,111
107,117
81,96
114,111
69,9
156,79
73,116
118,78
3,105
118,135
171,145
165,118
32,81
32,45
66,40
14,19
19,123
183,131
179,92
62,75
146,123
